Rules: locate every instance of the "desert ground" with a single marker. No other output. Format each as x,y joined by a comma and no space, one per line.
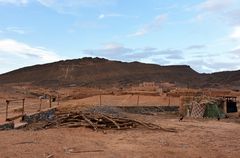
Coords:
193,137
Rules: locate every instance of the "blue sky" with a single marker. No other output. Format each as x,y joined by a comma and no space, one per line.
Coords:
204,34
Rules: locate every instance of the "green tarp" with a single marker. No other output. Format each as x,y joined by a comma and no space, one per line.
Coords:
213,111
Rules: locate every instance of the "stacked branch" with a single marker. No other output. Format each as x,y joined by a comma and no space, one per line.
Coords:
98,121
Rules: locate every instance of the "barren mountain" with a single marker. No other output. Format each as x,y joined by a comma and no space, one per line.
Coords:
97,72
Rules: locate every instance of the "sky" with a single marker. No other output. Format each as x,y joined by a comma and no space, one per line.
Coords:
204,34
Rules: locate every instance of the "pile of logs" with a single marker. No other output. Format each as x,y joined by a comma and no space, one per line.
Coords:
98,121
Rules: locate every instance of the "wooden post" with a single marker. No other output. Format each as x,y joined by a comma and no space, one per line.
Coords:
7,109
100,100
169,101
100,96
58,99
50,101
23,106
138,100
58,94
225,105
40,105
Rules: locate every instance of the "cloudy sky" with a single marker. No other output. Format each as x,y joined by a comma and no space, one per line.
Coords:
204,34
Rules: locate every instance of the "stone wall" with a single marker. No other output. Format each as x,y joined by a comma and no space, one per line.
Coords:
46,115
150,109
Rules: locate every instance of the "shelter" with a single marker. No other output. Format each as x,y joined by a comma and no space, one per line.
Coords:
230,104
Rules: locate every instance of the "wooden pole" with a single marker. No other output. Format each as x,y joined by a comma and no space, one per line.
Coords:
58,99
50,101
138,100
100,100
7,109
40,105
23,106
100,96
169,101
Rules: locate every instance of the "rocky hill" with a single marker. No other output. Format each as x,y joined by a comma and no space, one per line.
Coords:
98,72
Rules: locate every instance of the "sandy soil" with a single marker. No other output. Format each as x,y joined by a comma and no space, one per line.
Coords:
125,100
195,138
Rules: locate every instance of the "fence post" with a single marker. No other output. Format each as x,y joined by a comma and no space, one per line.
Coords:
58,99
40,105
23,106
138,100
7,109
169,100
50,101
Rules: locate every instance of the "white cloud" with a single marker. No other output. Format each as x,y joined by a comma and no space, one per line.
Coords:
15,2
196,47
72,6
201,61
116,15
9,46
140,32
199,18
16,30
102,16
72,3
233,17
223,10
120,52
215,5
62,4
109,50
236,53
235,35
155,24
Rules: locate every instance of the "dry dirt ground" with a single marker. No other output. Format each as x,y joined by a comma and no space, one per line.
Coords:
195,138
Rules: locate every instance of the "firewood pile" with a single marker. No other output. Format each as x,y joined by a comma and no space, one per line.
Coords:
95,121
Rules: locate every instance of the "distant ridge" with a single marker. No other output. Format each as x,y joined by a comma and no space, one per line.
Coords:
99,72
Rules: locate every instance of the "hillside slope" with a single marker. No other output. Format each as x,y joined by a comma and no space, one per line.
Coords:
97,72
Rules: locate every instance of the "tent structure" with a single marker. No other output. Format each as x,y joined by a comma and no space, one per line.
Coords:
209,108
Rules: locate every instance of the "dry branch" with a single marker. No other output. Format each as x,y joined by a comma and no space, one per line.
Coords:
108,118
88,121
96,121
